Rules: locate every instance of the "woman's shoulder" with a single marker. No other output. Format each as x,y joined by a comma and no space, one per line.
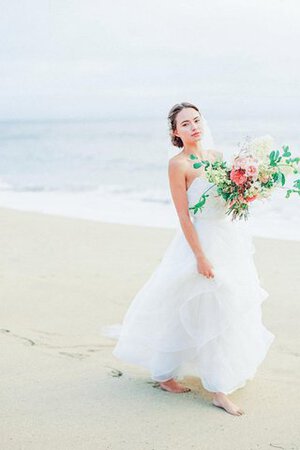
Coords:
178,160
178,165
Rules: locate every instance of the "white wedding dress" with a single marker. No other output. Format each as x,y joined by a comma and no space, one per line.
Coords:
181,323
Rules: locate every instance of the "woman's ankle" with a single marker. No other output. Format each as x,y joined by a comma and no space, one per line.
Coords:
167,381
219,394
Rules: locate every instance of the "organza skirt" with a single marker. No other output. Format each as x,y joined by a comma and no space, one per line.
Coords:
181,323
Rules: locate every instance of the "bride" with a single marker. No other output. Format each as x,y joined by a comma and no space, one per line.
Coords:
200,311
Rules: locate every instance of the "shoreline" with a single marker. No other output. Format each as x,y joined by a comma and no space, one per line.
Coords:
159,217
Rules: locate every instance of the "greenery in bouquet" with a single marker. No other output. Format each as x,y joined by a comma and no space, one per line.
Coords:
254,173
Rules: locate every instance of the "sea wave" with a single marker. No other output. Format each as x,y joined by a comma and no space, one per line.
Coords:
273,219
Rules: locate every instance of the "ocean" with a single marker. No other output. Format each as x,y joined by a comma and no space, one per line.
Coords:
116,170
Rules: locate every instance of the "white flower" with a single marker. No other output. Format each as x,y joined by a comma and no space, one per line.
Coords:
287,170
261,146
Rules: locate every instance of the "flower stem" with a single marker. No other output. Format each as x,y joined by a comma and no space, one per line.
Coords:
208,189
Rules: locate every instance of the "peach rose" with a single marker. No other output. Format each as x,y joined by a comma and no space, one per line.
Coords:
264,178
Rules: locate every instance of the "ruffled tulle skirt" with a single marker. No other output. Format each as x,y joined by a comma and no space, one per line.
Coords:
181,323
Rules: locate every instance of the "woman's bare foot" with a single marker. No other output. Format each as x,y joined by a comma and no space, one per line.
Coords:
172,386
222,401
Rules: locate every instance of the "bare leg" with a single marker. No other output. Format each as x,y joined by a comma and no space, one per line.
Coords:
173,386
221,400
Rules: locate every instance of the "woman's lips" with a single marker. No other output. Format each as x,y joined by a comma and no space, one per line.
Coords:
196,134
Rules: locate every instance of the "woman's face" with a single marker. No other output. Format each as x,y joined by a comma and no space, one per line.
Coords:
189,126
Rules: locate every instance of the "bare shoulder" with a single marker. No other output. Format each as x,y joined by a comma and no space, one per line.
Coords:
177,172
177,163
176,159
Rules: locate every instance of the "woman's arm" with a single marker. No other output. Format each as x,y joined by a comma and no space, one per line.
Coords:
178,191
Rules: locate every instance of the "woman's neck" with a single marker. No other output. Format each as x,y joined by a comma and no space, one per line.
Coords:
196,149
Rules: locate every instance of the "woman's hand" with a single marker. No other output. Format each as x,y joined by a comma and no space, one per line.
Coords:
205,267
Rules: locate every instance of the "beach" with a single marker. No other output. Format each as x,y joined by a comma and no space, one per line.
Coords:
62,279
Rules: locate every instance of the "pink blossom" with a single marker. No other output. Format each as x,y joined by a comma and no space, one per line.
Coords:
238,177
250,199
252,171
245,162
241,162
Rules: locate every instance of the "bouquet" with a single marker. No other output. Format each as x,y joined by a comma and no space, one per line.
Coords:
254,173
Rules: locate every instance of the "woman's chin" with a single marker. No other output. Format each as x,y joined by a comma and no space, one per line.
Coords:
196,138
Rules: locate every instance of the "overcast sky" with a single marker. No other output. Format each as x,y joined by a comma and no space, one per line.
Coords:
95,58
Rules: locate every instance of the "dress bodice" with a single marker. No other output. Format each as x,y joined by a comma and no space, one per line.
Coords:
214,207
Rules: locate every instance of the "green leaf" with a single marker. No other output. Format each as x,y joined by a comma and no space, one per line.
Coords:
192,156
272,155
296,184
197,165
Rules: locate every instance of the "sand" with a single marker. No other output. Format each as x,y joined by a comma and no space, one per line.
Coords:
63,279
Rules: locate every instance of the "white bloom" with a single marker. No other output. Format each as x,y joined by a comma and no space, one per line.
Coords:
261,146
287,170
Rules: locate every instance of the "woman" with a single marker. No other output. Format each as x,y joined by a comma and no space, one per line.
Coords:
200,311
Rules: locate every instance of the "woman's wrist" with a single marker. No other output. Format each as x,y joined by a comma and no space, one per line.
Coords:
199,256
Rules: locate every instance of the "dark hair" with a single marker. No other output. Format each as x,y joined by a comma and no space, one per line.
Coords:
172,120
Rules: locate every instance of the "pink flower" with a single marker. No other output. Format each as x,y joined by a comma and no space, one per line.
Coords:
250,199
252,171
247,163
238,177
